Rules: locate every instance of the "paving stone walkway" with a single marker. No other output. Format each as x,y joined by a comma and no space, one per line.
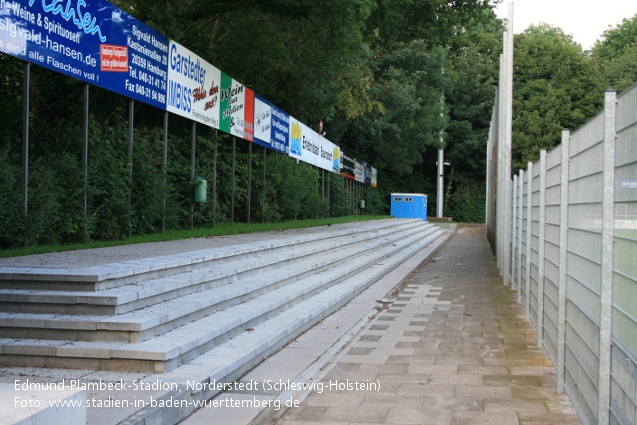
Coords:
452,349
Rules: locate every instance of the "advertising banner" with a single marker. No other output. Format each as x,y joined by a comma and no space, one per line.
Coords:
296,139
236,108
271,126
310,145
358,172
307,146
193,86
336,159
329,155
92,41
374,177
280,138
262,120
347,166
95,42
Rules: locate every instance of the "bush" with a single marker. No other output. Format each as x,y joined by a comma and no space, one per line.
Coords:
467,204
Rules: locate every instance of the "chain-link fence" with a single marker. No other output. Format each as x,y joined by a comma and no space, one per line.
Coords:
572,258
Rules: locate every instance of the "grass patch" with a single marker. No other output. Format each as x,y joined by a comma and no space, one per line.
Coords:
172,235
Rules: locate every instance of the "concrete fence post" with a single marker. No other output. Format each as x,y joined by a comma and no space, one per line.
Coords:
514,242
507,143
500,174
606,292
561,288
521,213
529,209
542,235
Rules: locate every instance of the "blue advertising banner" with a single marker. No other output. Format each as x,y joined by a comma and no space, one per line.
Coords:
89,40
368,173
271,126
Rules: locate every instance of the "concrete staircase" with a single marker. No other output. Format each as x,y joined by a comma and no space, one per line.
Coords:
155,314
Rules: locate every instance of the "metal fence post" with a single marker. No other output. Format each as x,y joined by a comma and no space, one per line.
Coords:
85,118
499,185
508,125
249,195
164,170
26,109
606,290
131,135
234,164
193,145
540,277
529,209
521,212
561,288
514,242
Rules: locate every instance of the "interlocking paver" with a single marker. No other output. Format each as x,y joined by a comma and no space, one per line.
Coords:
474,357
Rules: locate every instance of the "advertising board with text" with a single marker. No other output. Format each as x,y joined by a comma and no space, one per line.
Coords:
359,173
271,126
92,41
193,86
96,42
236,108
347,166
306,145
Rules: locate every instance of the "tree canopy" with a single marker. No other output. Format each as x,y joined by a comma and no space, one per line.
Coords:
555,86
615,55
371,70
392,80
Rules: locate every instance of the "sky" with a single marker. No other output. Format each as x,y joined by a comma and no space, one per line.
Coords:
586,20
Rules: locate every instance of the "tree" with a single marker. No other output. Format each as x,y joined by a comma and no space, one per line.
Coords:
408,46
555,86
370,69
615,55
473,67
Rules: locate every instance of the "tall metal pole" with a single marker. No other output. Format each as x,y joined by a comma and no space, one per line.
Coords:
234,158
507,142
214,184
85,148
354,197
193,141
131,129
263,197
26,95
323,188
165,169
441,161
499,170
351,196
441,171
249,179
329,178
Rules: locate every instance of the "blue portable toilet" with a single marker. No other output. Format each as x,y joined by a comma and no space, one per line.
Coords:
409,205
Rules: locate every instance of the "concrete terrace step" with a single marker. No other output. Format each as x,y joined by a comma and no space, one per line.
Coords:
134,296
315,295
231,360
152,321
127,272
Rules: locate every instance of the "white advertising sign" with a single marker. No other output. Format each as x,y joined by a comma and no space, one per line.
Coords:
262,120
193,86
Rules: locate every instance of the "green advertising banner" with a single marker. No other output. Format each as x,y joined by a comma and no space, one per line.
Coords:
236,108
